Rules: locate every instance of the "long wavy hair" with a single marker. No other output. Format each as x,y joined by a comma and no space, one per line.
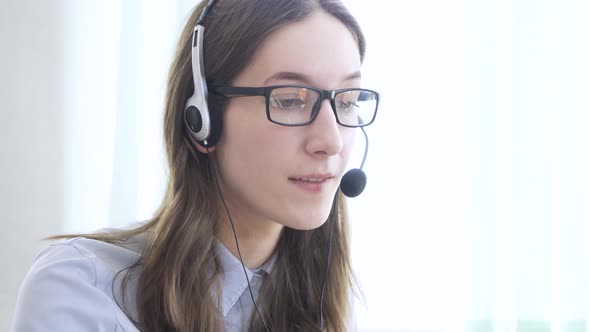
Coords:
179,271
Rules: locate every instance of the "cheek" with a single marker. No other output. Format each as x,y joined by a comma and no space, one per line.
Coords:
348,141
250,144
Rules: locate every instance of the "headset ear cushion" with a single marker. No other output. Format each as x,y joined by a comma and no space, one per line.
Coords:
193,119
215,102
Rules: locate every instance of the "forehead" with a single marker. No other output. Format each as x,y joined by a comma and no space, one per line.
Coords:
320,47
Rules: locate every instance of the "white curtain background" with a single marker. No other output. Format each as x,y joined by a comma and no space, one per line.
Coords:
476,216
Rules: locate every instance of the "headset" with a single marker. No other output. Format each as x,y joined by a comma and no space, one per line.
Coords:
204,125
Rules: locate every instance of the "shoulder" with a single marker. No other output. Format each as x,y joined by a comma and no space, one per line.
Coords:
70,287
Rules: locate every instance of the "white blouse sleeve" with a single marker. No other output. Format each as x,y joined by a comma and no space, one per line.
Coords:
59,294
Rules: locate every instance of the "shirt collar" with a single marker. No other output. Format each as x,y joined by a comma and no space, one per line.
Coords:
233,282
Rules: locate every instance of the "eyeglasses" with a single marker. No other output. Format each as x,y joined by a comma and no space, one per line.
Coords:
298,105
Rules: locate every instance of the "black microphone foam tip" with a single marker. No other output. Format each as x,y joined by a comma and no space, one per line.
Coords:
353,182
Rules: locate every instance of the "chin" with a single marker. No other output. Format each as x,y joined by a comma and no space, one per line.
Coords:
308,222
305,216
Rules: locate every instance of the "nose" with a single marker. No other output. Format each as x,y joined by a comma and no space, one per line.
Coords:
325,137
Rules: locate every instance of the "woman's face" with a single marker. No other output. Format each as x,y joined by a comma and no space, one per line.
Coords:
265,169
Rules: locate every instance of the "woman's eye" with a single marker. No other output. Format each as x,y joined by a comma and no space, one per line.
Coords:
346,105
293,103
288,103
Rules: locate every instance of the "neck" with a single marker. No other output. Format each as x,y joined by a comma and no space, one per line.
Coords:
257,240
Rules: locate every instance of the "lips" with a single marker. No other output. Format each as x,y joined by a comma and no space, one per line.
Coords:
313,183
312,178
309,180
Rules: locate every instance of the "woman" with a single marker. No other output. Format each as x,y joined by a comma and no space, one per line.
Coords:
252,232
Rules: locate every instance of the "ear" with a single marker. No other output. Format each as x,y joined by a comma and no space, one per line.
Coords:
204,149
201,148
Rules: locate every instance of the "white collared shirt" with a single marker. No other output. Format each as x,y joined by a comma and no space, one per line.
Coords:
70,288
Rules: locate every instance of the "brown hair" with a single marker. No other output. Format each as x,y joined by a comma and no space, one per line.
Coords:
173,291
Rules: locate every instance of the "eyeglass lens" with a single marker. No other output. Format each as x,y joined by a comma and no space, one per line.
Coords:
297,105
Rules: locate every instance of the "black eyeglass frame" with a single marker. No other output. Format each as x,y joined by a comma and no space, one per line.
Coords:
237,91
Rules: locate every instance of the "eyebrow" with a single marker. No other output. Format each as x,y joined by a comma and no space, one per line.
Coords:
288,75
